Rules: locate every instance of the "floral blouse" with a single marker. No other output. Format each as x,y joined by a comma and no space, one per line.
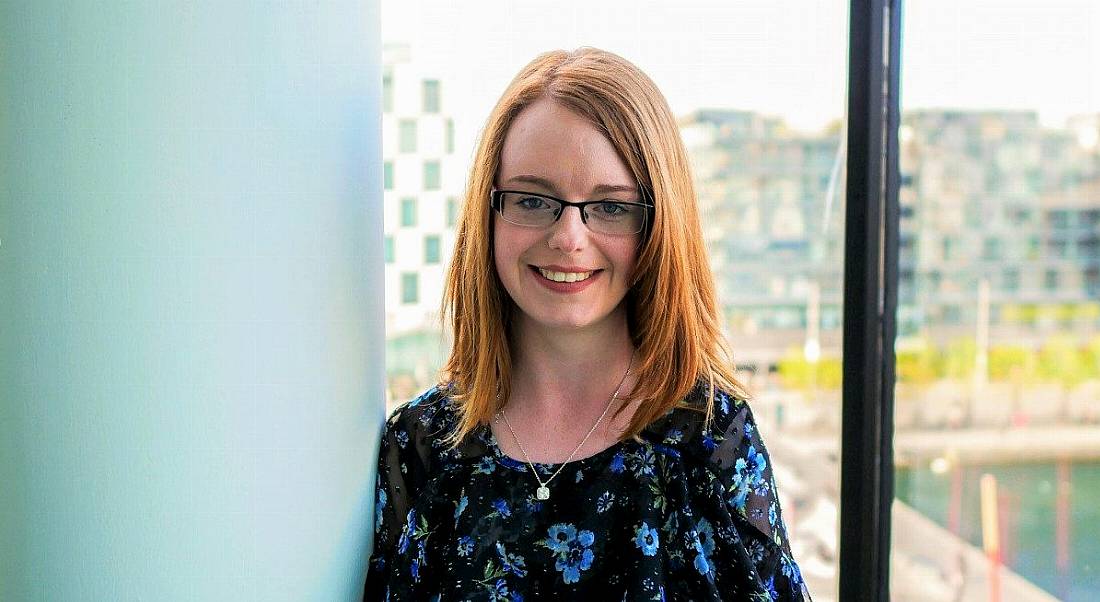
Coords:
679,513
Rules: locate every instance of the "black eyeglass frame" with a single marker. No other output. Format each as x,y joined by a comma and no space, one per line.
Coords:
495,197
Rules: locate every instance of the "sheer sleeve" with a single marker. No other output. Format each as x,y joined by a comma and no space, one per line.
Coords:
743,466
402,469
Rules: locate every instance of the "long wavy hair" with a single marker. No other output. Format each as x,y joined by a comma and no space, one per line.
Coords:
671,306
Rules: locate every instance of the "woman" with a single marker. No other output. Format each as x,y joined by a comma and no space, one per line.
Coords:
589,440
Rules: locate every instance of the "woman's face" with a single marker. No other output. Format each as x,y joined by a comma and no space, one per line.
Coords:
552,150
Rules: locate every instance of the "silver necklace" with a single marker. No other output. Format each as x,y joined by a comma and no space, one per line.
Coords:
543,492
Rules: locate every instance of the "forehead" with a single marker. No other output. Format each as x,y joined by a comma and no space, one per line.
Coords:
552,142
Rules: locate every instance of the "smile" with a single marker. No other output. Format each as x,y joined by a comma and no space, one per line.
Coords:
565,276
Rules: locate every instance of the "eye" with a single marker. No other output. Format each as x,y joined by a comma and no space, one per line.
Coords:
610,209
532,202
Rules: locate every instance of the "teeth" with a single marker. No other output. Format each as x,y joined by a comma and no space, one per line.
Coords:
565,276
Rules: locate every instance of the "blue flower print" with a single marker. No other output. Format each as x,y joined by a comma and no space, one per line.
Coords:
572,549
618,463
378,507
605,501
706,535
513,464
465,545
485,466
406,533
646,539
642,462
708,442
512,563
501,507
460,507
704,547
559,537
422,397
748,477
498,591
402,439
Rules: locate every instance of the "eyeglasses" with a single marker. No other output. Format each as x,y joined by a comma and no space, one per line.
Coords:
606,216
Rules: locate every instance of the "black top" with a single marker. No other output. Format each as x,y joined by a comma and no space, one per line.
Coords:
681,513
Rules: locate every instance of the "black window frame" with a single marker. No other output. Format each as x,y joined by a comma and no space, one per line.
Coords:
872,219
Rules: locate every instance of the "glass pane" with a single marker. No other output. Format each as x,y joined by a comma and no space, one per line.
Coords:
431,249
431,175
408,213
998,357
407,136
768,171
431,96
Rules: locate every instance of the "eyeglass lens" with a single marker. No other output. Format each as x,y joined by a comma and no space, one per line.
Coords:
608,217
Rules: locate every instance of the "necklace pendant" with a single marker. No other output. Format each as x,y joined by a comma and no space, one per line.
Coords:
543,493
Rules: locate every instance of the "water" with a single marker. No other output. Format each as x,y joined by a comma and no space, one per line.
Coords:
1028,499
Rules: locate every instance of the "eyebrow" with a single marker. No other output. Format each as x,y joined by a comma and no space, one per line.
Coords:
548,185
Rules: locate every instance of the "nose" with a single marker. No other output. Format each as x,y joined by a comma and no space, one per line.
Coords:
569,233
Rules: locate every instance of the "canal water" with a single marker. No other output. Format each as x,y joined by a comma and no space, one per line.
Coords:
1031,508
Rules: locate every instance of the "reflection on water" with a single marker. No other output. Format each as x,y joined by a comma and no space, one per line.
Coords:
1049,513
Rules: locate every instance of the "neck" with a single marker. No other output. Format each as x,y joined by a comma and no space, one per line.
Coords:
566,376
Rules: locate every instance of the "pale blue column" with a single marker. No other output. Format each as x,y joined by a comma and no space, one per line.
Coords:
191,320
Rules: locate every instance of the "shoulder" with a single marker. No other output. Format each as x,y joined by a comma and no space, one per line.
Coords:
420,426
730,449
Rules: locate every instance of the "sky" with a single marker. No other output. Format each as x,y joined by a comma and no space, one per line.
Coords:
785,58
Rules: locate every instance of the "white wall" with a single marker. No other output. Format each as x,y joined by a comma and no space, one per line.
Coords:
191,301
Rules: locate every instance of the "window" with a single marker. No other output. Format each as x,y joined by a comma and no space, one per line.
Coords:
387,249
452,211
431,249
449,144
431,96
387,93
406,136
1050,280
387,175
1022,181
991,250
408,212
431,175
949,246
410,285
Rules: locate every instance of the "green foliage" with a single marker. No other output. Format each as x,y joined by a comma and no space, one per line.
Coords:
1060,360
958,359
1011,362
797,372
918,365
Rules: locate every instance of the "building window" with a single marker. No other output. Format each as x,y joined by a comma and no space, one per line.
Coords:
387,249
410,285
387,175
1011,281
387,93
431,175
406,136
431,96
408,212
450,140
992,248
452,211
948,248
431,249
1050,280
